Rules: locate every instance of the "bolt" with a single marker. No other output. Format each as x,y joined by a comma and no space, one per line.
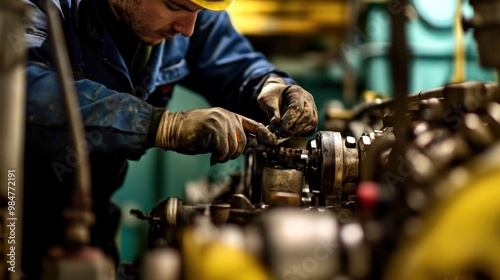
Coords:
350,142
313,144
364,142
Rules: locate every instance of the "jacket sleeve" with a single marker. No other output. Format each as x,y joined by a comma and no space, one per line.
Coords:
225,68
114,122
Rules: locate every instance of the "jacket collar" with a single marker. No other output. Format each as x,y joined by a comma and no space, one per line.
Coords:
93,26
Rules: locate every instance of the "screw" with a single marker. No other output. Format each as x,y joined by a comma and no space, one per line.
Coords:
364,142
350,142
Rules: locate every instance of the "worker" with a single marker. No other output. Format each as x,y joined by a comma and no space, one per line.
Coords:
126,56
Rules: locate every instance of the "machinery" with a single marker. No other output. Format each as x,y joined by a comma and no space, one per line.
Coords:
345,205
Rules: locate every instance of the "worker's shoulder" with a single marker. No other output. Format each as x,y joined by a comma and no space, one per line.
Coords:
39,4
206,16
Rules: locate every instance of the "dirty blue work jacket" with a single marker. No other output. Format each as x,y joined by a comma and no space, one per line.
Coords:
216,62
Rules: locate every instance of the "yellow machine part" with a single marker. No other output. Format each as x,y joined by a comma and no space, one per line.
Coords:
216,260
460,238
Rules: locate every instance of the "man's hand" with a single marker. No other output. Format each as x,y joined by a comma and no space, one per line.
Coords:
214,130
290,109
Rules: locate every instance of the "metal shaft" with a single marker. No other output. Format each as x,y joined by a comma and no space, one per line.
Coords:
78,215
12,116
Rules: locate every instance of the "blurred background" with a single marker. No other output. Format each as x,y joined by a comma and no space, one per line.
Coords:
337,50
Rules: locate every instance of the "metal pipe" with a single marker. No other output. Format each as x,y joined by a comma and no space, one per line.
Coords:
79,215
399,65
411,98
12,123
76,259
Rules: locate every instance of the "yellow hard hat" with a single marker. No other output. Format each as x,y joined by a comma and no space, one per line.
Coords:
214,5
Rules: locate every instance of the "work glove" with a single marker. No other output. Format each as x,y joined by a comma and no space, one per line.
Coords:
214,130
291,109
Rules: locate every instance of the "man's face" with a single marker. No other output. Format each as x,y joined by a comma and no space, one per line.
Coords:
155,20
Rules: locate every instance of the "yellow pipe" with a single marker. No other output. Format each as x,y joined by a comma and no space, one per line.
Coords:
460,56
460,235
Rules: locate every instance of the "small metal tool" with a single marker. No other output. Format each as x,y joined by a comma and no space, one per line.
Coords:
253,142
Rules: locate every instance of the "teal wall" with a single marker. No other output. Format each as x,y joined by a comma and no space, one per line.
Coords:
431,43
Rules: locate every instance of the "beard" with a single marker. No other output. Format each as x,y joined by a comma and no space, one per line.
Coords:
131,15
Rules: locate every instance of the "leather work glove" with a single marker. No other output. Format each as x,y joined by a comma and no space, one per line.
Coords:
290,109
215,130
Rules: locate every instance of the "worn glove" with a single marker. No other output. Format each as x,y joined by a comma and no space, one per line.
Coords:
290,109
214,130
